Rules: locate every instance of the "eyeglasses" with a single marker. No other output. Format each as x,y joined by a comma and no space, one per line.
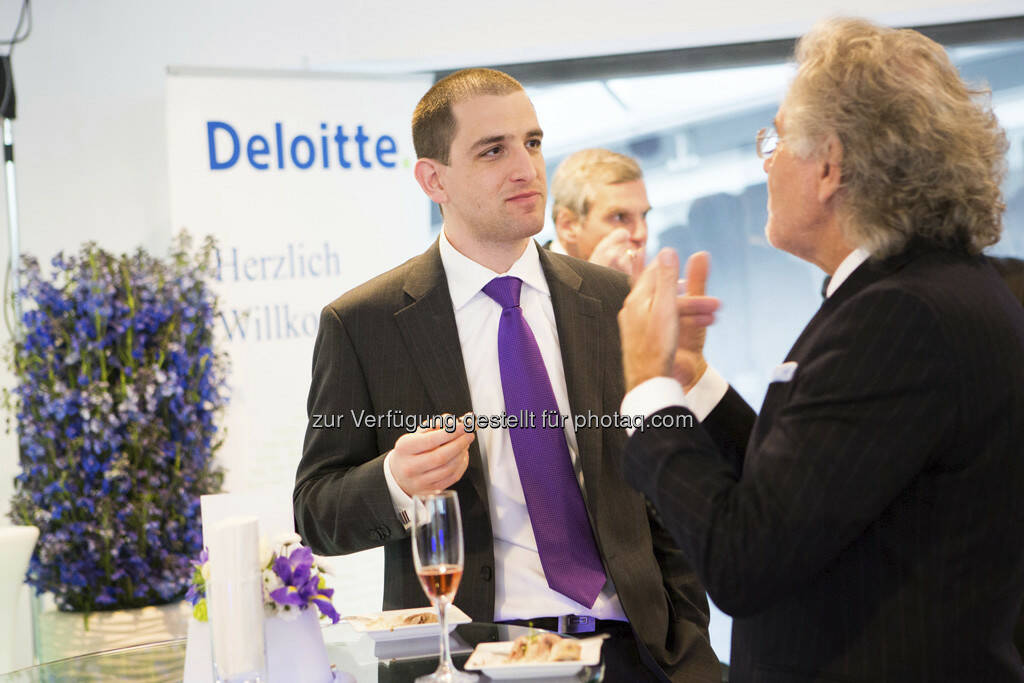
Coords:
767,141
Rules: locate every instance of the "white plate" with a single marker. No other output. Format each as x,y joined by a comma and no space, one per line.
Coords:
378,626
492,659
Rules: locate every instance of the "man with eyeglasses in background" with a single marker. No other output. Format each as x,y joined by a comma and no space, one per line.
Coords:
867,525
600,210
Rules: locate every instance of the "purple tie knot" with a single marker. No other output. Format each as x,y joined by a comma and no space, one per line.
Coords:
505,290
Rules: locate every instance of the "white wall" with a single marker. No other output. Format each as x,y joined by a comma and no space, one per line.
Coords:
90,140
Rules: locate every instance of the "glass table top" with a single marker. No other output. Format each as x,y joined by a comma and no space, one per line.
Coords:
355,658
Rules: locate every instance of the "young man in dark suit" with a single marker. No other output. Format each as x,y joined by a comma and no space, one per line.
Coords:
573,548
866,525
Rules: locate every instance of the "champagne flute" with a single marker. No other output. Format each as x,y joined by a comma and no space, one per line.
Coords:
438,554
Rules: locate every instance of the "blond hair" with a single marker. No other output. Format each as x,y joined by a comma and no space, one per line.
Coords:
922,153
578,177
433,123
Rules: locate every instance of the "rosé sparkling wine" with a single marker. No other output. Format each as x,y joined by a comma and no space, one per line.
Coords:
438,554
440,580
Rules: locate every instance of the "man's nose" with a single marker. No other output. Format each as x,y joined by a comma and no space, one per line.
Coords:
639,233
524,168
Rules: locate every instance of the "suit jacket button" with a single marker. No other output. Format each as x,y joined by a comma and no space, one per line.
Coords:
486,573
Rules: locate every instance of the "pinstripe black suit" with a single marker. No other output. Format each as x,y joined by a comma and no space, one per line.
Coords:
868,525
1012,270
392,344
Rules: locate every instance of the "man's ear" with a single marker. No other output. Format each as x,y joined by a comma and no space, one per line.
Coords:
831,177
430,175
567,227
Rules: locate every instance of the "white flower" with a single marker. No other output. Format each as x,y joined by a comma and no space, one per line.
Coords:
287,538
271,582
288,612
266,553
322,565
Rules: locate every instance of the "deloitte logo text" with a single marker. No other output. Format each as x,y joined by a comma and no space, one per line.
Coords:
280,150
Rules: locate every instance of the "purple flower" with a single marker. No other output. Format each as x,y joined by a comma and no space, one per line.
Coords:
204,557
323,602
301,583
300,560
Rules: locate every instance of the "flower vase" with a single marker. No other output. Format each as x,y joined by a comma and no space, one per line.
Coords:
295,649
66,634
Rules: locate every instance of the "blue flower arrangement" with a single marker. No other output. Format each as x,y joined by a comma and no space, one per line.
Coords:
117,388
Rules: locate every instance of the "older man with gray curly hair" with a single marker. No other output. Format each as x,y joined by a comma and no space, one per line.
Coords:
866,525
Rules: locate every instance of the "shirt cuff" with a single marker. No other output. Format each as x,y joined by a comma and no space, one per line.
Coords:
399,498
706,394
658,393
648,398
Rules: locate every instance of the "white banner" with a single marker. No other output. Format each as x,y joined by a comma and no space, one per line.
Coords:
306,183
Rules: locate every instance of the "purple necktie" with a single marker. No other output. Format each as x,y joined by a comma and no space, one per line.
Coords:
565,540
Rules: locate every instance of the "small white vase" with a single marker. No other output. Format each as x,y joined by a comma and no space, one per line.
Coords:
295,651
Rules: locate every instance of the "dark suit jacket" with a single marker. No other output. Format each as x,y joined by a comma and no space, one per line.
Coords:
1012,271
868,525
392,344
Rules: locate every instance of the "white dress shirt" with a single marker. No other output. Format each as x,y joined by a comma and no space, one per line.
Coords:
521,590
658,393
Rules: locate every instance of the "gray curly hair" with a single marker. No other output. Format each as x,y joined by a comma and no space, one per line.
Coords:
923,154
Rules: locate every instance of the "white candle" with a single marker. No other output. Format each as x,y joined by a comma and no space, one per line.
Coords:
234,596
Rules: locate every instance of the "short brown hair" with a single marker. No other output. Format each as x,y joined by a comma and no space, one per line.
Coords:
577,177
433,123
923,153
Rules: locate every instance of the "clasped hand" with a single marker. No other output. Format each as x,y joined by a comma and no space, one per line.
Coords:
431,458
617,250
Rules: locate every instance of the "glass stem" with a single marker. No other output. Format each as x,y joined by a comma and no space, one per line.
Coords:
442,619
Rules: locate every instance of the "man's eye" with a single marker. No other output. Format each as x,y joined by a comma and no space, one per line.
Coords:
493,151
535,144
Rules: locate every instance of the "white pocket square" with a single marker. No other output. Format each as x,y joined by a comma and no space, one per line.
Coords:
784,372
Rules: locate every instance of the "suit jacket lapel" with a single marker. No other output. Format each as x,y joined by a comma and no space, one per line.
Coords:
430,333
864,275
577,318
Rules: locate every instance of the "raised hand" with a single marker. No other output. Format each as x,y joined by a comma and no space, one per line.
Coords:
696,311
649,322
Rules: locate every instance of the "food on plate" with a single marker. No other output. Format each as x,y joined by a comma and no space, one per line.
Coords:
544,647
390,622
565,650
419,618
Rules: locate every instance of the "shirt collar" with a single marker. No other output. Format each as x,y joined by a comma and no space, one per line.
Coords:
845,268
466,277
557,248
